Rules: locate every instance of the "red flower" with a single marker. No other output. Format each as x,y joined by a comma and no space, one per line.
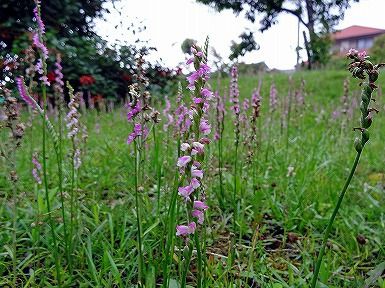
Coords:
51,76
97,98
86,80
126,77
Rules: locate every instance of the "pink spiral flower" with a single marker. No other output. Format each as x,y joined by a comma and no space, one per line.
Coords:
192,120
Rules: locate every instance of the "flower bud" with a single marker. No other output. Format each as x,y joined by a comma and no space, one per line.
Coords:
185,251
358,145
365,136
367,121
373,75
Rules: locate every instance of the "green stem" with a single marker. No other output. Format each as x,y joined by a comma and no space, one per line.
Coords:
186,266
59,156
157,169
14,235
171,219
329,227
138,217
268,138
222,195
235,198
44,92
199,260
71,236
288,125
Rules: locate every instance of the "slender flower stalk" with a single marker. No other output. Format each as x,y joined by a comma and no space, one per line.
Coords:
287,113
273,103
41,67
190,164
234,99
58,88
73,126
363,69
182,123
220,126
256,100
345,104
141,115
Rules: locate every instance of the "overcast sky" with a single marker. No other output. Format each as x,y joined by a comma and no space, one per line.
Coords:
169,22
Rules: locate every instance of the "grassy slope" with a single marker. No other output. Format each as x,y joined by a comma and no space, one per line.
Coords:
281,217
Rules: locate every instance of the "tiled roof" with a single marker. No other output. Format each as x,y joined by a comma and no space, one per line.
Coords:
356,31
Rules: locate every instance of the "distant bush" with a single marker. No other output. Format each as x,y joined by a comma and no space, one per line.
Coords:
378,50
336,63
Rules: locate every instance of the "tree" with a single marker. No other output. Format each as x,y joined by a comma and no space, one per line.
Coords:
69,26
66,17
247,44
187,44
318,16
377,51
69,31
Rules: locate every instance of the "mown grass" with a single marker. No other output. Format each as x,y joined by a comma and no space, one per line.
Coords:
281,217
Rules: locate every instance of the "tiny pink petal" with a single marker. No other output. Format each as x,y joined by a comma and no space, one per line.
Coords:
200,205
183,161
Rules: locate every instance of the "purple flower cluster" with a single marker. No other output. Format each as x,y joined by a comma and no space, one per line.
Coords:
59,84
133,111
190,167
77,158
273,98
36,38
36,170
234,99
255,110
202,70
73,125
23,92
183,121
234,92
244,113
139,110
167,115
220,109
362,56
72,118
36,13
138,131
256,102
40,46
190,164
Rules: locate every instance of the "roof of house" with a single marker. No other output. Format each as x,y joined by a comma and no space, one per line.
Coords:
356,31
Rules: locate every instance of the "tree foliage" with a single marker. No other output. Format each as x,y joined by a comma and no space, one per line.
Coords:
247,44
378,49
70,32
187,44
66,17
318,16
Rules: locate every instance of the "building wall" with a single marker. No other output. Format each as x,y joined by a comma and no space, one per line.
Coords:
362,43
341,47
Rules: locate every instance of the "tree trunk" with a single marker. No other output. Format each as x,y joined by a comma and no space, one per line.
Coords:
310,26
308,52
